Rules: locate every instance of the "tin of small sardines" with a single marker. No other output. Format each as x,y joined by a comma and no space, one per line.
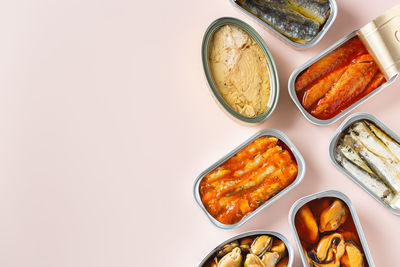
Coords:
349,72
300,23
240,70
255,248
368,152
327,231
249,178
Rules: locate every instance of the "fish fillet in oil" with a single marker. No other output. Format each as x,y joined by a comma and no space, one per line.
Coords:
314,9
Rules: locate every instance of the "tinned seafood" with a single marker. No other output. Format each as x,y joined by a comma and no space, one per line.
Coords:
373,158
299,20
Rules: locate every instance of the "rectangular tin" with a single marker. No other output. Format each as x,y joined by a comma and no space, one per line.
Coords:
333,144
311,43
296,72
251,233
300,174
274,80
332,193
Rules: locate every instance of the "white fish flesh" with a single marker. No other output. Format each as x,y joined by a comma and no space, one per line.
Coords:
374,185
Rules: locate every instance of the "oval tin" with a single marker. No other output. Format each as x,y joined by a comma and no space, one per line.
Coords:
251,233
311,43
296,72
332,193
333,144
300,174
273,73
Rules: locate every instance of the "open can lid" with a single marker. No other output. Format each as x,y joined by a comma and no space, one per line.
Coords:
382,39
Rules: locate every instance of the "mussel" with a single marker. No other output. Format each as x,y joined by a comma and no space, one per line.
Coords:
260,245
329,251
253,261
245,244
232,259
227,248
270,259
353,256
333,217
307,225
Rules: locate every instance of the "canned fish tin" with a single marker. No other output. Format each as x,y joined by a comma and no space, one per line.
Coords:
348,73
322,31
344,157
326,228
260,99
249,178
244,242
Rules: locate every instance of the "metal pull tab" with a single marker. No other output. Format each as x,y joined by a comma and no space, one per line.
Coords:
382,39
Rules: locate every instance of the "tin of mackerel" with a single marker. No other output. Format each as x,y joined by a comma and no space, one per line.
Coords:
332,193
320,35
252,233
274,80
333,144
381,37
270,132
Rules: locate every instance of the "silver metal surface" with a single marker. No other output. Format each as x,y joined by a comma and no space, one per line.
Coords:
333,144
301,202
271,132
318,37
296,72
274,80
253,233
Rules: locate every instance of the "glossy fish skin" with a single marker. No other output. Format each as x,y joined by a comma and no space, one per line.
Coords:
314,9
377,187
377,81
338,57
322,87
393,146
376,155
288,22
351,84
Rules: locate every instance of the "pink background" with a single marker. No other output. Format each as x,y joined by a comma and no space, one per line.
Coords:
106,120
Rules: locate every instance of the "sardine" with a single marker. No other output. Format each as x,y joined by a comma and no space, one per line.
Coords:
319,89
393,146
335,59
284,19
373,183
385,168
353,81
348,151
316,10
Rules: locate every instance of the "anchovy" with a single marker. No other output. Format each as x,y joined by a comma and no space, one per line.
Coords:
314,9
284,19
386,169
393,146
374,185
348,151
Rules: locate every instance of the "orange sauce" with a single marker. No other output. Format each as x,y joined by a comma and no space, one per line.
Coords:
324,94
247,180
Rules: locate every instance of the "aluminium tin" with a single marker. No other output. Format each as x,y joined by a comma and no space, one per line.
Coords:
273,73
300,174
332,193
299,70
333,144
252,233
317,38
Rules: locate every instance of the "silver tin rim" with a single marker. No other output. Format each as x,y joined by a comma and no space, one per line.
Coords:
251,233
331,193
300,174
296,72
335,138
320,35
273,72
